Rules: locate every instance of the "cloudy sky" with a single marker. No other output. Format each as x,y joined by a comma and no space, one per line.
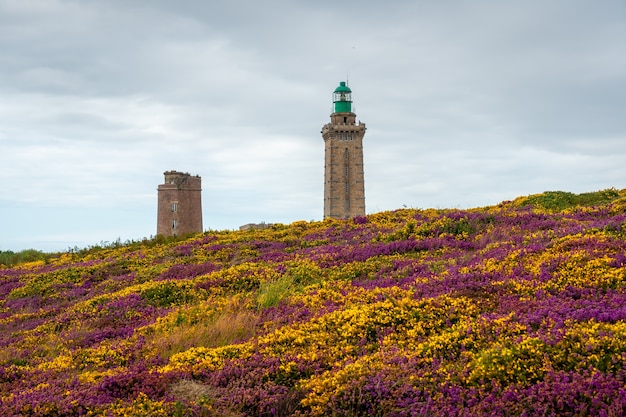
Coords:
467,103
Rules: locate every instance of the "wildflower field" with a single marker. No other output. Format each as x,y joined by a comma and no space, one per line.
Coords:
517,309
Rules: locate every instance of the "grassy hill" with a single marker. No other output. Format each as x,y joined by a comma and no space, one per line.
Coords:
517,309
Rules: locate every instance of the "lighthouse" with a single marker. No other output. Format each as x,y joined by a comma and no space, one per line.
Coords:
344,181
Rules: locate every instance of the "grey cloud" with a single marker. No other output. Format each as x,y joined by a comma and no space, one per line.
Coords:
466,103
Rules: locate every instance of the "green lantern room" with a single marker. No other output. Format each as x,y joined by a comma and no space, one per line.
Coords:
342,98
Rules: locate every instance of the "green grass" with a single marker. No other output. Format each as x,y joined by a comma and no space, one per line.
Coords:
561,200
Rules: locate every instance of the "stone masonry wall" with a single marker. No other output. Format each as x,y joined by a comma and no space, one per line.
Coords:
179,204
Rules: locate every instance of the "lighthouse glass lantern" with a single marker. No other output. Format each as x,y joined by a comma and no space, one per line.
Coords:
342,98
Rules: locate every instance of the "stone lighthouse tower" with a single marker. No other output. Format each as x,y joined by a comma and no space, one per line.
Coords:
344,183
180,204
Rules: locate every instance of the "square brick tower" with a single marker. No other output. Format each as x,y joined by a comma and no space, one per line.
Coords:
344,181
180,204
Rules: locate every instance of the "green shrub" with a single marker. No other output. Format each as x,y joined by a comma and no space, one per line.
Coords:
561,200
9,258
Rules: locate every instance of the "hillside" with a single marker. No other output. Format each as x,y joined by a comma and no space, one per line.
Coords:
517,309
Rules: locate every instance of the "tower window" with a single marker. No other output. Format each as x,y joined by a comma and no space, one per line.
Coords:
174,207
345,119
174,224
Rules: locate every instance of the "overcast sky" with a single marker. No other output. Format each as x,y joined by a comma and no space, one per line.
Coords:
467,103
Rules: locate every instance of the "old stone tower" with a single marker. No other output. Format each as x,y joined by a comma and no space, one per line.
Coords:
344,183
179,204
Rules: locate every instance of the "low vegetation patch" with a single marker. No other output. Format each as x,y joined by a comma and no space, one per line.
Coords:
516,309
